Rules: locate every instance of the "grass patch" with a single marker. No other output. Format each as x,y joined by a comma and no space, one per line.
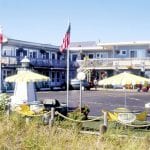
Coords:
16,134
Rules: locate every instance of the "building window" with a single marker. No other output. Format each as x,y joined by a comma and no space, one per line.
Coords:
148,51
74,57
97,56
63,75
33,54
53,56
53,76
132,54
58,76
91,56
117,52
123,52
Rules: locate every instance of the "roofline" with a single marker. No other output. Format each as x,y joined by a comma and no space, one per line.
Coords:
86,48
124,43
30,44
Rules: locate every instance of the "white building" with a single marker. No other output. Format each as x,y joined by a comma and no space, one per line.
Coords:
45,59
105,59
98,60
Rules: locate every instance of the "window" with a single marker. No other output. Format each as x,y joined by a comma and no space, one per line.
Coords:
45,55
53,56
58,76
32,54
118,52
53,76
91,56
123,52
97,55
74,57
148,51
63,75
132,54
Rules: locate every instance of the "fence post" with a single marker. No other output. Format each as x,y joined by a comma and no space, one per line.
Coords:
27,120
51,121
8,109
103,128
105,119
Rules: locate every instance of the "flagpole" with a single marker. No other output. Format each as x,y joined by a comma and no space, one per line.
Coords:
65,46
68,78
1,61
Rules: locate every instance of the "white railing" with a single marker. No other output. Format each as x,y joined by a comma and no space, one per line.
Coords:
122,63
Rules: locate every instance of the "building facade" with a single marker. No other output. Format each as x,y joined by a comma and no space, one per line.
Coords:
100,60
97,60
45,59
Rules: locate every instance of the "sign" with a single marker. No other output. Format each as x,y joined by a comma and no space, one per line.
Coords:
81,76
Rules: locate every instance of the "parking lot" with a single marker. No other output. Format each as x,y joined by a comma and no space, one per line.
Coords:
100,99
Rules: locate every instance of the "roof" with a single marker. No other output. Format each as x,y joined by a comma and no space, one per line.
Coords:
26,44
83,44
124,43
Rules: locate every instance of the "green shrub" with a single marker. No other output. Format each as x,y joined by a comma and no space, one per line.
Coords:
4,98
80,115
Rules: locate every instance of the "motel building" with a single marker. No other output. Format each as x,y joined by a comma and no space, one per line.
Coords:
101,60
97,60
45,59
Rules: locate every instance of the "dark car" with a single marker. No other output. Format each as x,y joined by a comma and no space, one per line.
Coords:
75,84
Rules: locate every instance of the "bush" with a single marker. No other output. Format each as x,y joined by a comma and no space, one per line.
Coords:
75,115
80,115
4,98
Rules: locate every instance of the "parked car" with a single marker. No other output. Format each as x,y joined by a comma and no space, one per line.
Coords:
75,84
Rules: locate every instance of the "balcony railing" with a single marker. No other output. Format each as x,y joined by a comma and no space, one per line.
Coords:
38,62
8,61
111,63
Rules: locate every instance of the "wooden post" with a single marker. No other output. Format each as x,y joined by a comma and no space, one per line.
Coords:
8,109
105,119
27,120
51,121
103,128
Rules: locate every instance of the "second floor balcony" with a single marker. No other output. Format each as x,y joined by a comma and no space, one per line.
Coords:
112,63
38,62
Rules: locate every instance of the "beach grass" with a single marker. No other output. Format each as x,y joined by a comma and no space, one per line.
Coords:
16,134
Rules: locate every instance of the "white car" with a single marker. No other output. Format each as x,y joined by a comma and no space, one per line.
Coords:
75,84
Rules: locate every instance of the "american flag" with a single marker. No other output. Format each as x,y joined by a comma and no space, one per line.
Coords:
66,39
1,38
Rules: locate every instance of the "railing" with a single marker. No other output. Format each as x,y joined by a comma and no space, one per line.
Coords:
38,62
9,61
122,63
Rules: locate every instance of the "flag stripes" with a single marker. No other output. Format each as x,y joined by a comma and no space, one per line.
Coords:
1,38
66,40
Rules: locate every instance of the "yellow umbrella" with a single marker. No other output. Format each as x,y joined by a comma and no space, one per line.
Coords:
26,76
124,79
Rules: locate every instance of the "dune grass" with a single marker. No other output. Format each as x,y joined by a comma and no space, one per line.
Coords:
16,134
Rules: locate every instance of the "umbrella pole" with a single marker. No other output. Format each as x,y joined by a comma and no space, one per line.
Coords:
125,100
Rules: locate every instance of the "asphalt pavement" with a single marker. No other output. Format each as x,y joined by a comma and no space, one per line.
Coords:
100,99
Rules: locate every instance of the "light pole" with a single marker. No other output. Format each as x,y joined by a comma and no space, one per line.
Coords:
81,76
116,68
142,69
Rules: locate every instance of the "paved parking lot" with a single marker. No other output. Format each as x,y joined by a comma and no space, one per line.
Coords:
100,99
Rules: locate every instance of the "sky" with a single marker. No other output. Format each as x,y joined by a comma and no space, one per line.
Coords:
46,21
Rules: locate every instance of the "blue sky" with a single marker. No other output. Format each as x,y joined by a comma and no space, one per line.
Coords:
45,21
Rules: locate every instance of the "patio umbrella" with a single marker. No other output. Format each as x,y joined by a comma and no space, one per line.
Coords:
26,76
24,91
124,79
